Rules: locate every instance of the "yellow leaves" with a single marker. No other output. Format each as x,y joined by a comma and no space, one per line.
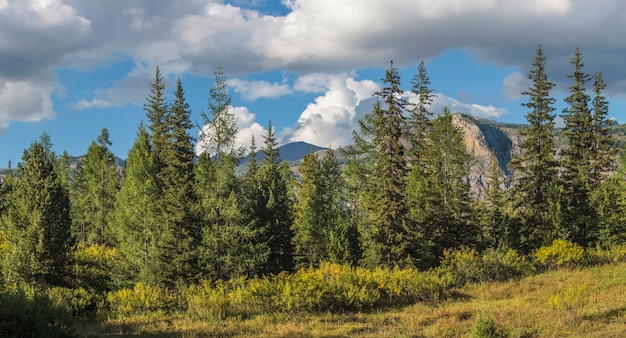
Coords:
560,254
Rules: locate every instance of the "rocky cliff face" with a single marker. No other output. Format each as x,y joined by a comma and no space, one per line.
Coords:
482,137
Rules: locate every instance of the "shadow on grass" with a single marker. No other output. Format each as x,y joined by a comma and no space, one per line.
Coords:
606,315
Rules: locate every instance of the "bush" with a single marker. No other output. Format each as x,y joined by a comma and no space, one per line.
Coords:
466,266
486,327
93,266
142,299
560,254
28,311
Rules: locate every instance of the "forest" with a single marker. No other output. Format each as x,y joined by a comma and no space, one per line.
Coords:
173,233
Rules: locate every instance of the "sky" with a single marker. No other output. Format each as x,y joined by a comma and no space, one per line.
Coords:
73,67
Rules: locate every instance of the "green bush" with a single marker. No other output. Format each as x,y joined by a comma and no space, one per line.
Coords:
467,266
142,299
560,254
28,311
486,327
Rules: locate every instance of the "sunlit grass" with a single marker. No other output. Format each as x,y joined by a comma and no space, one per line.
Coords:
593,304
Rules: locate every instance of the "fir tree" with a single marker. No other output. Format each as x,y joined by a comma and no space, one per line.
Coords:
275,214
419,120
577,157
496,231
37,221
536,166
385,234
603,152
177,199
156,111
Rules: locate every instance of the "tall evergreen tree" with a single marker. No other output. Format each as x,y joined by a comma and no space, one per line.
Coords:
37,221
385,234
157,113
536,166
94,186
603,152
577,157
419,120
443,216
496,228
609,202
275,214
230,245
136,223
177,193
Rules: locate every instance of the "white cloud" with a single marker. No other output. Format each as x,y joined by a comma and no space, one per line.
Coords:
246,128
24,101
330,119
254,90
514,84
489,112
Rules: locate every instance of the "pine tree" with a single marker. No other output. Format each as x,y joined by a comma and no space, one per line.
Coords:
95,183
136,224
419,120
230,246
536,166
609,202
157,112
275,215
177,199
37,221
577,157
496,231
443,217
385,234
603,152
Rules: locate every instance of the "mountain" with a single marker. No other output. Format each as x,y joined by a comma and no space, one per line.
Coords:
289,152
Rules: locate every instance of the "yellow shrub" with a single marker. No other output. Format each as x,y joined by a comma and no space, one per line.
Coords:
142,299
560,254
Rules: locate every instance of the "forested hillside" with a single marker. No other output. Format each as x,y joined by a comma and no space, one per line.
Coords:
90,236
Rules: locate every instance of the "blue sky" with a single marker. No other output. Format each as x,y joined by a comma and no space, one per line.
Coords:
71,67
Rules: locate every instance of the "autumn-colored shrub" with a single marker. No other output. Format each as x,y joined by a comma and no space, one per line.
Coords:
560,254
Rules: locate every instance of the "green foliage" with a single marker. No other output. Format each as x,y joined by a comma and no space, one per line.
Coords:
29,311
142,299
560,254
93,186
94,267
569,301
467,266
535,168
37,222
486,327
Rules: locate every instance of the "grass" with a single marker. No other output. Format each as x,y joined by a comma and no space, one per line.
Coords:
587,302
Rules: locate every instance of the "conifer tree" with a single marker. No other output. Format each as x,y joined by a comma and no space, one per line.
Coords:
536,166
496,231
385,233
37,222
603,152
609,202
443,216
577,157
275,213
419,120
229,239
94,186
136,224
157,113
177,193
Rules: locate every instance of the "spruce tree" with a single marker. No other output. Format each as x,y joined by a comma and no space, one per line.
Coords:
535,168
419,120
603,152
495,226
443,216
385,235
37,221
609,202
177,193
275,215
157,113
577,157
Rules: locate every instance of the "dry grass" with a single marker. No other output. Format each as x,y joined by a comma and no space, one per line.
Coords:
596,308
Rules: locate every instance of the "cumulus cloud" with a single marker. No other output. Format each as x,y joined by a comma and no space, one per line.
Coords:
316,36
514,85
330,119
488,112
247,127
254,90
24,101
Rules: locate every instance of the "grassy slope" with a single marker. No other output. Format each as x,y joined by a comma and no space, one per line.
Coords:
588,302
